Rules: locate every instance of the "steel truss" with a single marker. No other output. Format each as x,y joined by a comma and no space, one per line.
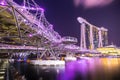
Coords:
33,29
42,30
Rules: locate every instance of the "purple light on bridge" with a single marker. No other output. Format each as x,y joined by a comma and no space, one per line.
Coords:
30,35
42,9
2,3
24,7
32,8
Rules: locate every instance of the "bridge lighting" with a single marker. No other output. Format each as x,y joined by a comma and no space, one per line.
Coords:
30,35
24,7
2,3
24,20
32,8
42,9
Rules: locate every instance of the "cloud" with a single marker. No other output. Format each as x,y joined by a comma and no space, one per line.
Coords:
92,3
77,2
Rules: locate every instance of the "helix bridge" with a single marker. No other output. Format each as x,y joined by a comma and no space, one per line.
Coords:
25,28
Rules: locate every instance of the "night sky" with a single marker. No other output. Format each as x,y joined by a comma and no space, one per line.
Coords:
63,15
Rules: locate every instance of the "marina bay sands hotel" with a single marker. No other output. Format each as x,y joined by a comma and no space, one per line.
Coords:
92,37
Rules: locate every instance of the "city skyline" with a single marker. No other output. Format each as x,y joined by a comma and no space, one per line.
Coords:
64,17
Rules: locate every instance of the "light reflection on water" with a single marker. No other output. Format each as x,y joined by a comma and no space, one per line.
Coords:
86,69
93,69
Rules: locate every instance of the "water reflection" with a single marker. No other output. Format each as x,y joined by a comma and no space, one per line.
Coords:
93,69
85,69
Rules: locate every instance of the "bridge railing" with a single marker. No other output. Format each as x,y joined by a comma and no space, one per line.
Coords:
68,38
